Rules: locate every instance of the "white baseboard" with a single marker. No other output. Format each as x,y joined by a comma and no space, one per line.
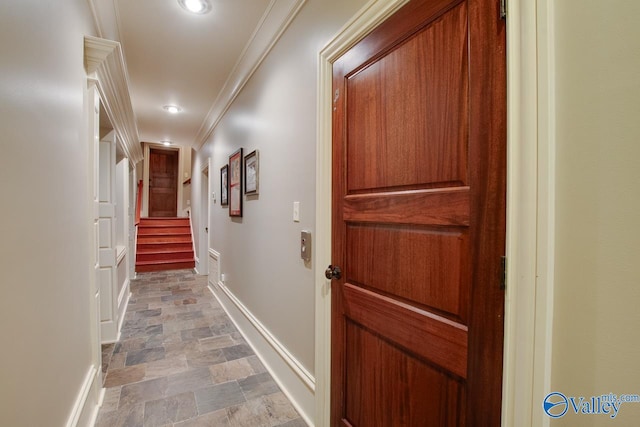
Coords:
123,302
295,381
197,268
108,332
85,409
111,330
124,293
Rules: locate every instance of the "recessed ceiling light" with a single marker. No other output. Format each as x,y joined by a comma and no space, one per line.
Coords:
173,109
196,6
166,143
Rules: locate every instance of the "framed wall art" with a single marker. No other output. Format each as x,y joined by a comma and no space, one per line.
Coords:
251,173
235,183
224,185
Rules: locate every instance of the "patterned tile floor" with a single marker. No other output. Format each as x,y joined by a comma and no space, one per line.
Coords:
182,363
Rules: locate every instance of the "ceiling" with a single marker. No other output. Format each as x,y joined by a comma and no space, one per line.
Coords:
178,58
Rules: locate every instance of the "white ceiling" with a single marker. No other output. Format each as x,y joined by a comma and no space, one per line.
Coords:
174,57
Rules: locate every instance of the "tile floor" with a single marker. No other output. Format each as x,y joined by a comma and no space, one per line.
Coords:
182,363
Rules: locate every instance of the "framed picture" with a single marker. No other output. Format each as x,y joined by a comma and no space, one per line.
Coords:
235,183
251,169
224,185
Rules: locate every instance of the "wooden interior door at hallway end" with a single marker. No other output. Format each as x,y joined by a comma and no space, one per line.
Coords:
419,166
163,183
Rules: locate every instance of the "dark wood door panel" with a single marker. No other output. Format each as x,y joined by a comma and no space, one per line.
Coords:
443,207
422,140
434,338
378,371
425,266
163,162
397,28
163,181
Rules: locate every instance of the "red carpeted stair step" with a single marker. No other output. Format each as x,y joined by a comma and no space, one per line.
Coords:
164,244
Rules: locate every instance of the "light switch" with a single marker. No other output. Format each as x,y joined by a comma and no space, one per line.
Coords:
296,211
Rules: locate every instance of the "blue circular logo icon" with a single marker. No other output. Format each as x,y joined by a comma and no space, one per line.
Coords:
555,405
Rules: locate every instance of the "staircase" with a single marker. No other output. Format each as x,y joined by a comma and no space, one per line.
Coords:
164,244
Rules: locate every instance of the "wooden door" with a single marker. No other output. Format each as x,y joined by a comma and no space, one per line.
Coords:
419,161
163,183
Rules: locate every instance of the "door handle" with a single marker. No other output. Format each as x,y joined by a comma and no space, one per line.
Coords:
333,272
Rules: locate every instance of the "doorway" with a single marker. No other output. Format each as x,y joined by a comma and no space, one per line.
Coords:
203,266
163,183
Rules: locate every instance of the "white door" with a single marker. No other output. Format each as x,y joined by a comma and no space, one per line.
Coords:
107,237
204,223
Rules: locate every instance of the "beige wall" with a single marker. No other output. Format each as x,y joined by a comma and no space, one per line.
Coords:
44,224
596,330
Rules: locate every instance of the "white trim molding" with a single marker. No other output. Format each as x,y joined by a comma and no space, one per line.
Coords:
196,259
272,25
214,266
87,404
530,212
123,302
106,18
295,381
105,59
370,16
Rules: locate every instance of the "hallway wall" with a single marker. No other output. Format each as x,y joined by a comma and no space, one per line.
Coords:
44,228
276,114
596,339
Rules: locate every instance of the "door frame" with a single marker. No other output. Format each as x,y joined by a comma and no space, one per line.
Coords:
202,261
530,206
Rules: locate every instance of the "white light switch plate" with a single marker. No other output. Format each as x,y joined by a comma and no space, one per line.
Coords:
296,211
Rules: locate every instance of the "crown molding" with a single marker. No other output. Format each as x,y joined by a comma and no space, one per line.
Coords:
272,25
96,52
104,59
105,15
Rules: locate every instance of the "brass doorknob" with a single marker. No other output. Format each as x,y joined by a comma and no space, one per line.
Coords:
333,272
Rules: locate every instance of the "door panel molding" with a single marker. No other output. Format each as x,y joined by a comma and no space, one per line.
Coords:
411,207
386,315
